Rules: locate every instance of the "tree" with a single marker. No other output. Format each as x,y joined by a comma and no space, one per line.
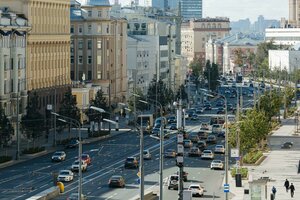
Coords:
32,123
211,73
69,109
181,93
196,67
139,105
270,104
158,91
100,102
6,129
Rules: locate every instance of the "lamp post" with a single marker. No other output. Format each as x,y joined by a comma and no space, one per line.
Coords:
161,138
76,123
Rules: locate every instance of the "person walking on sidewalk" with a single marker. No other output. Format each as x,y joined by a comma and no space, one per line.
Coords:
274,191
287,185
292,188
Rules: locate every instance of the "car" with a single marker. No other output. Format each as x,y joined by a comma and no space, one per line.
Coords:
217,164
216,128
204,127
287,145
73,143
194,151
194,138
251,85
59,156
173,182
219,149
211,139
220,104
207,154
170,153
155,131
207,106
86,158
196,189
171,119
199,110
131,162
75,166
74,196
194,117
221,110
250,94
227,92
185,175
157,125
244,92
65,176
221,134
173,126
187,143
229,107
202,134
116,181
147,155
233,95
201,144
245,84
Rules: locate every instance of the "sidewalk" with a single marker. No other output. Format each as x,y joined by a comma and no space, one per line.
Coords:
48,143
279,164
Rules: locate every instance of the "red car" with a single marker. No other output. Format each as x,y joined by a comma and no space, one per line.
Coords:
86,158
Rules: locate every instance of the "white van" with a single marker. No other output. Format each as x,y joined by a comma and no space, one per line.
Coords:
173,182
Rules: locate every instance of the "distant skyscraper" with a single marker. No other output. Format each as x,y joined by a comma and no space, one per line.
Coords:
294,19
191,9
162,4
173,4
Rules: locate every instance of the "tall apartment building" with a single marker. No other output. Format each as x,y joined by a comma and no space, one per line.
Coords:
294,17
48,46
195,34
98,47
191,9
13,35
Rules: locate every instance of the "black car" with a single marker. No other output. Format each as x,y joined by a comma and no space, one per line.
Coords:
173,126
72,144
220,104
185,175
131,162
207,106
287,145
229,107
221,111
171,120
201,144
211,139
221,134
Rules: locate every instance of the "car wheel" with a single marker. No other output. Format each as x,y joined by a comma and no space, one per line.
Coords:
169,188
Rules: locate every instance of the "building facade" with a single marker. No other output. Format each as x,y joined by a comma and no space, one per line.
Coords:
284,60
283,36
191,9
98,47
13,41
195,34
294,17
48,47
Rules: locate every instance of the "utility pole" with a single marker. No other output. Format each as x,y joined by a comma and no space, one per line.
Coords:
180,149
170,55
142,160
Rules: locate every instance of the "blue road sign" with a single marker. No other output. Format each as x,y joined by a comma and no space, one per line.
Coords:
226,187
138,181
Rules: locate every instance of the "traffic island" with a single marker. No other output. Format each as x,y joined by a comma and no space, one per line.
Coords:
48,194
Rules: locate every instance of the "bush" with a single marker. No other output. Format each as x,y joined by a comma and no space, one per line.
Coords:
99,134
243,171
252,157
33,150
4,159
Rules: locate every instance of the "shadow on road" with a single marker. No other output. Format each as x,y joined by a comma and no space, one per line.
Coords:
211,196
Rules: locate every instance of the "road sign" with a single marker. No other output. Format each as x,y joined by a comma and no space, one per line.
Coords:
226,187
138,181
235,153
138,174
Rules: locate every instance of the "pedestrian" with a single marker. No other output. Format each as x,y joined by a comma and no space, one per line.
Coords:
274,191
287,185
292,188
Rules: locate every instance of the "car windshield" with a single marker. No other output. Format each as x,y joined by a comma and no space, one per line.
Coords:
64,173
194,187
130,159
174,178
206,151
58,154
170,150
217,161
145,152
219,146
115,178
76,162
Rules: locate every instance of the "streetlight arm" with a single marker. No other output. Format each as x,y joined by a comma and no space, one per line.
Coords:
97,109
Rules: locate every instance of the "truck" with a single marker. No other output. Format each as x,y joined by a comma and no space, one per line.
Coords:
145,121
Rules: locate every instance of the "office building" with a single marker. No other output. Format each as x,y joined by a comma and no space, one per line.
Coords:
191,9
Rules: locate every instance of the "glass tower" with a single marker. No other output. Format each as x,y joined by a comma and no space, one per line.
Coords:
191,9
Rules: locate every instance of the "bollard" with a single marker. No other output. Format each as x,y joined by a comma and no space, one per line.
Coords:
299,167
272,196
61,187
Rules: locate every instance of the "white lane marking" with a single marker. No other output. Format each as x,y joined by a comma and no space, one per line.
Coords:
29,181
44,185
110,197
19,197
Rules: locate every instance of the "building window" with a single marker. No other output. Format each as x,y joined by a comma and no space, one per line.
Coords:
5,63
89,75
80,29
99,28
89,28
72,29
99,44
89,60
80,44
89,13
72,59
80,60
99,14
107,29
89,44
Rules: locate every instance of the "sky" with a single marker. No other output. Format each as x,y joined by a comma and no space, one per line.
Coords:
239,9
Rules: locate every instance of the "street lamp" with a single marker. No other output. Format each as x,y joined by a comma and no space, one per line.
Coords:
161,138
76,123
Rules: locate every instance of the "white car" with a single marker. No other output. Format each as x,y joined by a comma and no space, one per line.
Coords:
219,149
59,156
65,175
217,164
196,189
207,154
75,166
147,155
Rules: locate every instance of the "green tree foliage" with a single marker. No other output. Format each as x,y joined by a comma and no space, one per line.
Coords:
32,123
253,127
100,102
270,104
181,93
262,56
6,129
139,105
68,106
159,91
290,94
196,67
211,74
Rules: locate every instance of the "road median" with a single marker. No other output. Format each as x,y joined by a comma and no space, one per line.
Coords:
48,194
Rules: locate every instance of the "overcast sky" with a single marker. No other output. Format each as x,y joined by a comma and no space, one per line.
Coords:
239,9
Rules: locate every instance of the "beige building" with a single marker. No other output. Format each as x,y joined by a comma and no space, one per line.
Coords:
294,13
98,47
48,46
195,34
13,31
